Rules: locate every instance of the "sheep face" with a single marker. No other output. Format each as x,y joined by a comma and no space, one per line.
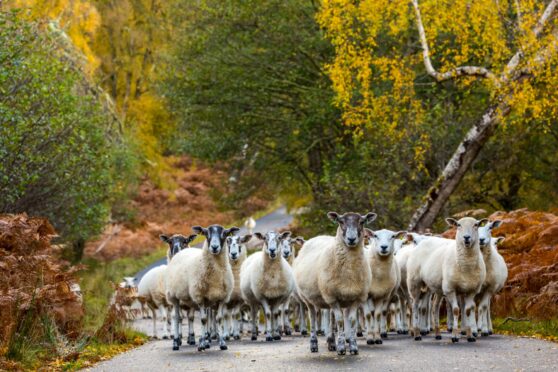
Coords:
235,245
485,233
177,242
351,226
215,235
273,242
129,282
384,241
467,230
497,241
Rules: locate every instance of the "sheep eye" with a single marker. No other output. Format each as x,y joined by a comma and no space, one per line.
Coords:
458,225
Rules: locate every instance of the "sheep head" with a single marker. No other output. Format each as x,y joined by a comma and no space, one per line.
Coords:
235,243
177,242
215,236
351,226
467,230
272,242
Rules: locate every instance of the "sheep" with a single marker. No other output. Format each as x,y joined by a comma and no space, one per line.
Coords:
496,276
331,272
448,267
237,256
266,279
288,252
201,279
385,281
151,288
124,296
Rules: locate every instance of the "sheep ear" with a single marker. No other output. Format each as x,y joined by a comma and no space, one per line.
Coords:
400,234
233,230
333,216
259,235
191,238
369,217
164,238
285,235
495,224
368,233
499,240
300,240
482,222
199,230
245,238
409,237
451,221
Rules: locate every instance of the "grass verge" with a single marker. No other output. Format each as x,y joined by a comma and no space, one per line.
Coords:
542,329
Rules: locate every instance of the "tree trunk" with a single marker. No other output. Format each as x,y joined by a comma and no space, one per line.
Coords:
457,166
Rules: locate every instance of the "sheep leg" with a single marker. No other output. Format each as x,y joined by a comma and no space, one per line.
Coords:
340,329
383,323
203,342
166,320
275,327
254,313
286,318
154,312
303,320
489,318
367,310
220,322
312,311
436,303
463,317
403,310
351,319
268,321
331,335
470,315
236,319
449,316
360,321
483,313
297,317
326,321
416,299
429,313
424,299
176,342
451,297
319,322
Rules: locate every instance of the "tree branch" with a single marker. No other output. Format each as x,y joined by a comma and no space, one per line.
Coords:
456,72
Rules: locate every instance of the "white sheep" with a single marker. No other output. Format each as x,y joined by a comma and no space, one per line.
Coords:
201,279
496,276
151,288
237,256
332,272
288,251
266,280
385,281
450,268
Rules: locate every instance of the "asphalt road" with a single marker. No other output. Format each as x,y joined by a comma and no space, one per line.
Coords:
275,220
398,353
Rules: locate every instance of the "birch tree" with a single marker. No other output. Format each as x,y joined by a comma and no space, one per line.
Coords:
507,48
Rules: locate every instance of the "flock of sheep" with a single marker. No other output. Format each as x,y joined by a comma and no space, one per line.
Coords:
357,280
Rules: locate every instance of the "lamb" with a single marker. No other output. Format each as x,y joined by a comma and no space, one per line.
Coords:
266,279
496,276
201,279
448,267
237,256
385,281
331,272
151,288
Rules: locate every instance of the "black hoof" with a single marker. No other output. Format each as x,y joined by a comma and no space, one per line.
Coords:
175,345
423,333
400,332
223,347
341,352
201,348
418,338
227,338
297,328
288,332
236,337
331,348
277,337
454,339
383,335
378,342
471,339
304,332
475,334
484,334
269,338
313,349
172,337
490,333
438,337
463,333
359,334
254,338
354,352
405,332
431,329
320,333
370,342
208,345
450,330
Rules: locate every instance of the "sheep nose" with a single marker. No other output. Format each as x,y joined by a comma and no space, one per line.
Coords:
481,241
234,255
467,238
384,247
352,241
215,248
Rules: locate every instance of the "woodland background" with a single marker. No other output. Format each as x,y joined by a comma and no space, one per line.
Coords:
130,117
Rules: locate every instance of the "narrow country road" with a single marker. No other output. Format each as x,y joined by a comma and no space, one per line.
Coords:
398,353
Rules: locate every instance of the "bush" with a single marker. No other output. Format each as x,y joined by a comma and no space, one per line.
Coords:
56,158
